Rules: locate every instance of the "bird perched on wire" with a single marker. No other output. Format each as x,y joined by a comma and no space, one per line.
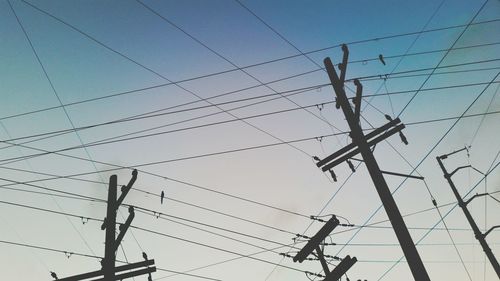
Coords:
145,256
162,196
54,275
381,58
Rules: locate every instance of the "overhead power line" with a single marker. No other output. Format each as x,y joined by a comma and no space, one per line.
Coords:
71,253
243,67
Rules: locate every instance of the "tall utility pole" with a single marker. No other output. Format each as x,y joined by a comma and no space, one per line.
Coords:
463,205
109,271
362,145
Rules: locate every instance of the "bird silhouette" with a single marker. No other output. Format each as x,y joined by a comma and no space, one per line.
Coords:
162,196
54,275
381,58
144,256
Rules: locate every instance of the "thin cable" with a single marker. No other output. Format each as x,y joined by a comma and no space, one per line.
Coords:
111,141
449,233
373,77
445,55
491,169
484,116
168,80
118,167
70,253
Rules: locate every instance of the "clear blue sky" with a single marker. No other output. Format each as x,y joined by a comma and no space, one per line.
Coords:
206,64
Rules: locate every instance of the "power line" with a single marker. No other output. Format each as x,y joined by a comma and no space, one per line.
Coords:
98,143
70,253
241,149
445,55
232,70
157,233
148,115
491,169
165,78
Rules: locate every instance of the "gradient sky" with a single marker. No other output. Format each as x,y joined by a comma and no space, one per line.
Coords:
109,60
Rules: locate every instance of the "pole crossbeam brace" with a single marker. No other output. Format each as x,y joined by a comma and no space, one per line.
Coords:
124,227
126,189
463,205
402,175
341,269
362,144
98,273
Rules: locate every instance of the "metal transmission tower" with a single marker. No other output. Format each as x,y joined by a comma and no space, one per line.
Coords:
109,272
314,244
361,144
463,205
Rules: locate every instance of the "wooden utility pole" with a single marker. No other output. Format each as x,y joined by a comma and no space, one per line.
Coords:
463,205
109,272
108,264
361,144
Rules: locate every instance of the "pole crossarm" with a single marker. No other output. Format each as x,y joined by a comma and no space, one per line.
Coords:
351,146
98,273
356,151
148,270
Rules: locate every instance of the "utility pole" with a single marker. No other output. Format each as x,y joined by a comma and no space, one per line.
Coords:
109,224
314,244
463,205
109,271
361,144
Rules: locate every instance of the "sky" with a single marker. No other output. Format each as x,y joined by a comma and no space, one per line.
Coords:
222,105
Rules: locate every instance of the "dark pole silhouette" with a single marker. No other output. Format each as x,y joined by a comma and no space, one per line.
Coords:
110,225
162,196
360,141
109,271
463,205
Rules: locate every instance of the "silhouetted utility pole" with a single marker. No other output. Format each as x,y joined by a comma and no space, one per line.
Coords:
463,205
109,271
314,244
361,144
